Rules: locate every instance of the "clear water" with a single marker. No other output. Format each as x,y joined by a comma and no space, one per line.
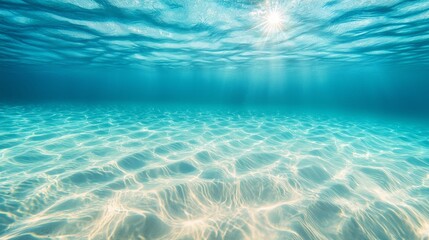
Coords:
214,119
169,172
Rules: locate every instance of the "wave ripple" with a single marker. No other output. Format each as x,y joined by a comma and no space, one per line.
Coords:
173,33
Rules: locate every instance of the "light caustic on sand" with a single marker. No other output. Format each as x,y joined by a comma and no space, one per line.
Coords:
204,174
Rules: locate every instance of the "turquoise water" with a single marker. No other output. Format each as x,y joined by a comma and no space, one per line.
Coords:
214,119
213,33
171,172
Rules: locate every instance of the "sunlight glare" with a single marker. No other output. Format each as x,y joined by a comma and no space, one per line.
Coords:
272,18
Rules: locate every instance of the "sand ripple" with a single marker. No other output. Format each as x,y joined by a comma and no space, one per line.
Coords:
167,173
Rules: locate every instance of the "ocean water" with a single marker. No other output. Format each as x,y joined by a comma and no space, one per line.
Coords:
214,119
224,33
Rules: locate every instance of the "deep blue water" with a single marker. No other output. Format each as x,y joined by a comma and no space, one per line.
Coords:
214,119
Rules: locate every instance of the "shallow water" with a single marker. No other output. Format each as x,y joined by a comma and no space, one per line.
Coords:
170,172
274,157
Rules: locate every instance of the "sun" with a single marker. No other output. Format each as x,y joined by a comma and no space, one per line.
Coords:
271,17
274,21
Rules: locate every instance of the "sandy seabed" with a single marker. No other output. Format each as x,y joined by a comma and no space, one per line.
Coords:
166,173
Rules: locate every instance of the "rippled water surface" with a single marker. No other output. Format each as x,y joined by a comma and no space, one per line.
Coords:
175,33
80,172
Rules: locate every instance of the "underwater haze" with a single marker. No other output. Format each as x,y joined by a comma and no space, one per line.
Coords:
214,119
